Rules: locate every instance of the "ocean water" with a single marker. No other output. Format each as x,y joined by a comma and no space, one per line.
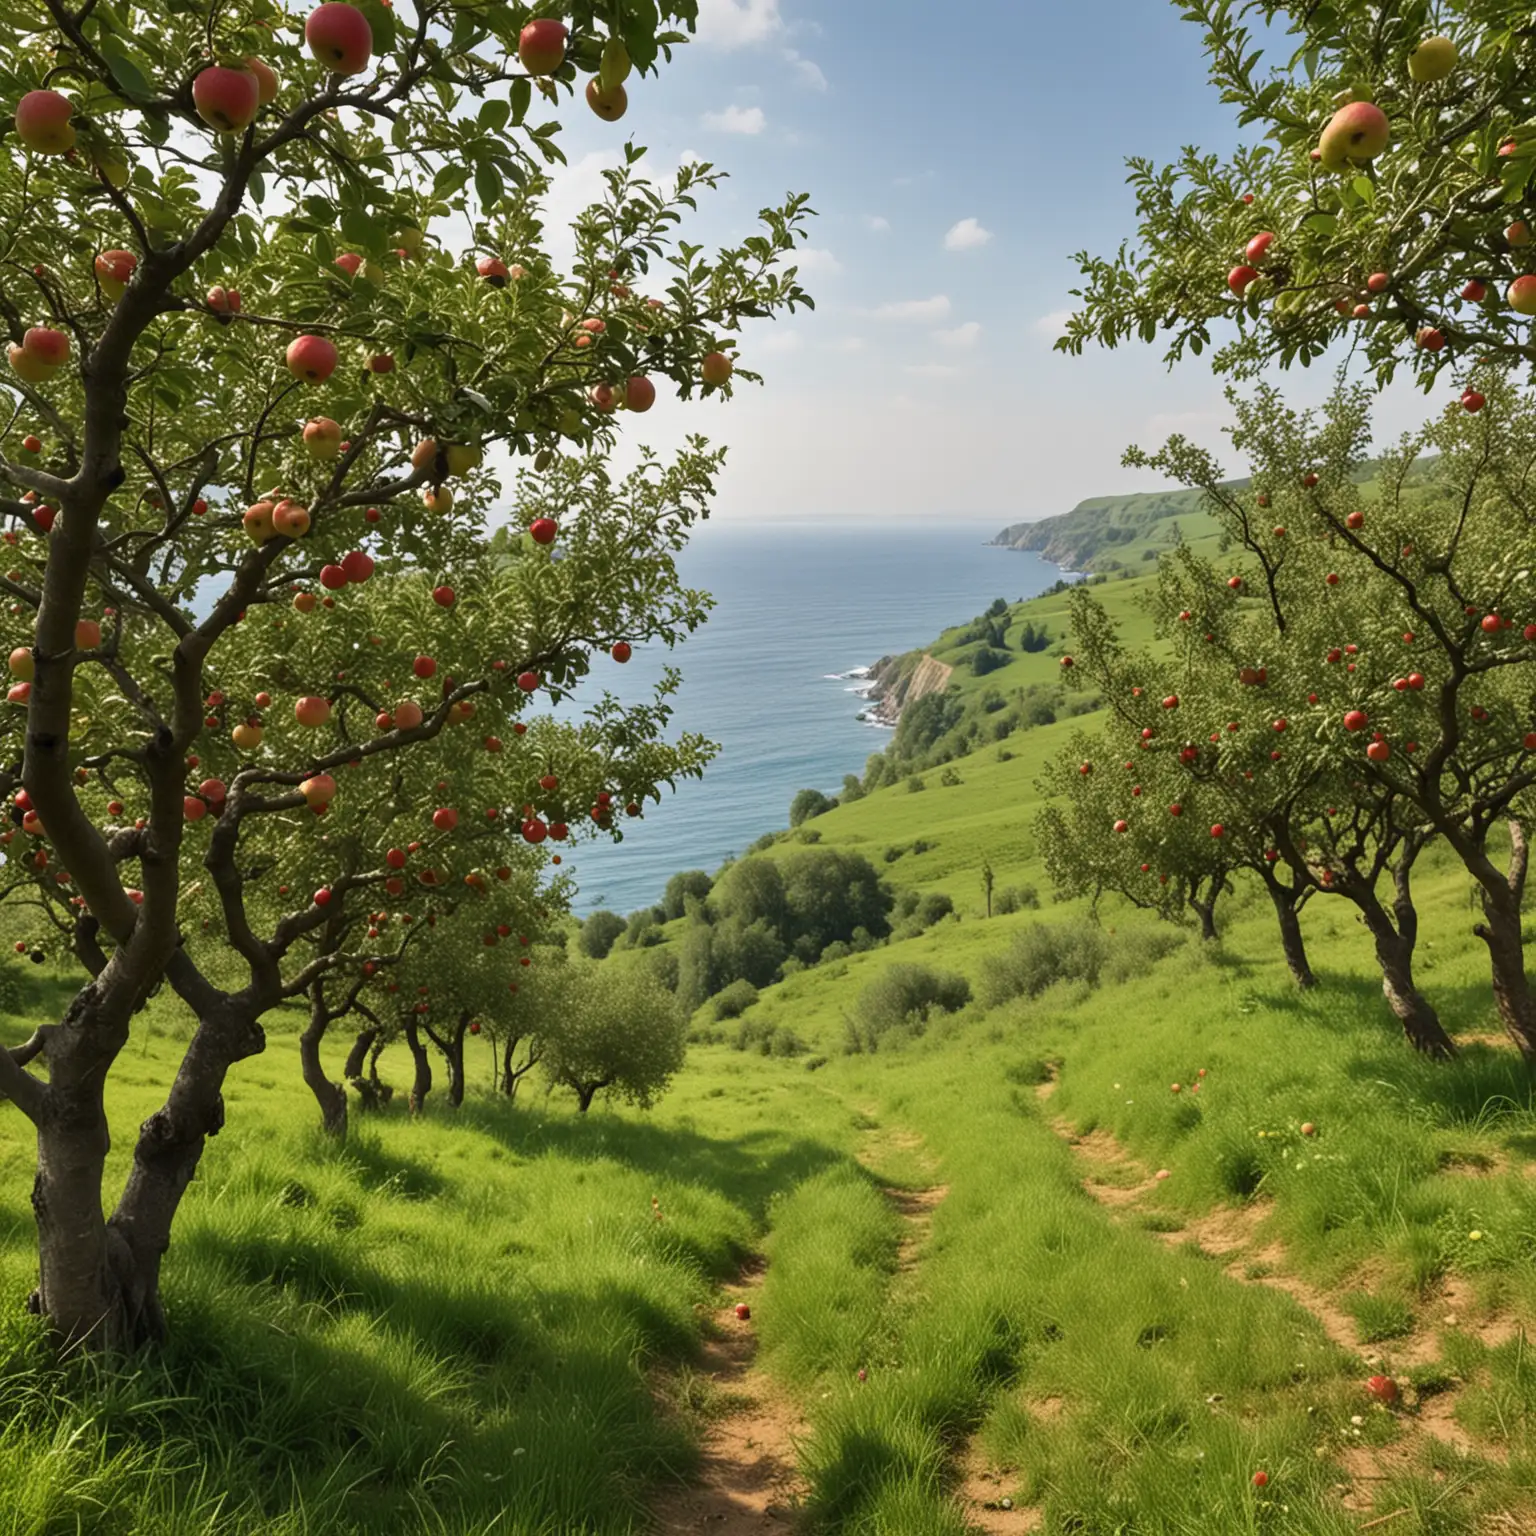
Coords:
773,676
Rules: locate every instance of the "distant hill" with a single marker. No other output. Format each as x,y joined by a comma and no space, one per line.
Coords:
1107,533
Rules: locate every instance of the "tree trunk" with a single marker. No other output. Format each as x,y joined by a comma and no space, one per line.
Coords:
1506,947
421,1085
585,1092
331,1097
1205,909
165,1158
453,1053
1291,940
357,1057
1394,953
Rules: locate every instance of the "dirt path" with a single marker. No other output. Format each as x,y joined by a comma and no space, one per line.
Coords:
747,1480
1233,1235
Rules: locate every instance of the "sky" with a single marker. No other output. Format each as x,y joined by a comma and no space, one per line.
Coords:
957,158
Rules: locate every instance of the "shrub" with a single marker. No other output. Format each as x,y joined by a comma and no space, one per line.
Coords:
900,1001
829,894
809,803
662,964
934,907
915,784
988,660
1033,638
642,930
1016,898
751,891
686,883
767,1038
735,999
600,933
950,778
1041,956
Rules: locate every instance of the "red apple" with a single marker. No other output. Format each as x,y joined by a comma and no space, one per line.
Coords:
323,896
333,577
1378,282
290,519
621,652
1383,1389
1378,751
743,1311
318,789
639,394
543,530
1259,246
312,710
444,597
541,46
42,122
1356,132
1431,340
424,667
357,565
1473,401
493,269
312,359
339,37
87,635
227,99
716,369
1355,520
50,348
113,271
1239,278
32,444
1356,720
408,715
1476,291
267,83
445,818
1261,1479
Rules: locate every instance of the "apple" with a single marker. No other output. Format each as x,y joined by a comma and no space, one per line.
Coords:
493,269
358,566
1356,132
528,681
48,347
425,454
743,1311
1218,830
42,122
312,359
444,597
312,710
437,498
603,397
1171,702
87,635
290,519
113,271
304,602
323,895
322,437
408,715
395,858
23,664
424,667
213,791
1175,810
1476,291
1518,233
246,737
1355,520
639,394
1491,624
1234,582
1432,60
319,789
227,99
610,103
534,831
1521,295
543,530
29,369
1239,278
32,444
463,457
541,46
1378,751
257,522
1122,826
1378,282
445,818
621,652
339,37
1261,1479
350,263
1356,720
1259,246
1473,401
267,83
1383,1389
716,369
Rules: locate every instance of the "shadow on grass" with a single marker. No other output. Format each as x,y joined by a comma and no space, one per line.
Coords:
748,1170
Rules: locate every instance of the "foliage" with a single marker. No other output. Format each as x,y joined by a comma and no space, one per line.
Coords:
1463,140
599,933
1042,955
808,803
733,1001
902,999
686,884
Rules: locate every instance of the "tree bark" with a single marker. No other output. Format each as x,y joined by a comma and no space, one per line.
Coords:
1204,907
1288,915
331,1097
1502,934
451,1045
1394,954
421,1085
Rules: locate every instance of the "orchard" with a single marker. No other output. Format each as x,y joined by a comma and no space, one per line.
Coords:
282,333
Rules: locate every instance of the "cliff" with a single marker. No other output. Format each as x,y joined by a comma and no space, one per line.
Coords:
895,681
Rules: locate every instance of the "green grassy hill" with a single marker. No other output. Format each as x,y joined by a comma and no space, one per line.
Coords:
1114,533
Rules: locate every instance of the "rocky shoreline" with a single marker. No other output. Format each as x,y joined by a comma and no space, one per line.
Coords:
893,682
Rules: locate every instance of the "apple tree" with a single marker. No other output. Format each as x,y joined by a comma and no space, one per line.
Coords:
1380,196
281,329
1398,611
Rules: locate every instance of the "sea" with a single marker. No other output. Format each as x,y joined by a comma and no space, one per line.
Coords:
776,676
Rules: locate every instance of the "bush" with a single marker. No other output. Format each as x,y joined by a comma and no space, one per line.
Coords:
688,882
934,908
831,894
988,660
767,1038
899,1002
1015,898
751,891
735,1000
600,933
642,930
662,964
1034,638
1041,956
950,778
915,784
809,803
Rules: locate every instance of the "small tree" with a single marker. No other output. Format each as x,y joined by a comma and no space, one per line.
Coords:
617,1030
689,882
808,803
600,933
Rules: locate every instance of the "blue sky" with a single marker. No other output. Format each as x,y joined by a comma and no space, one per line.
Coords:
957,157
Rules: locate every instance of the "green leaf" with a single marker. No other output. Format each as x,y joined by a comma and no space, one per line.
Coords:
493,115
1321,223
1365,189
522,99
126,70
358,227
488,185
381,22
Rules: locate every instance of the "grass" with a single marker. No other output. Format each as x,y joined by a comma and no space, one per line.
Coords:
481,1324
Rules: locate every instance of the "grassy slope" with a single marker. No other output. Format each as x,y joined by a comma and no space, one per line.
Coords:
482,1326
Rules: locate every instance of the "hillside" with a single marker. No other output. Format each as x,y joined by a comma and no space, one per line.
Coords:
1111,533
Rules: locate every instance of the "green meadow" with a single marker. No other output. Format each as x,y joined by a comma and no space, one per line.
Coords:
972,1294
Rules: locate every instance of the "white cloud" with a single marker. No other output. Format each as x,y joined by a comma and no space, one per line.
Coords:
925,311
781,342
748,120
1053,324
738,23
966,335
967,235
807,71
811,258
877,224
931,370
